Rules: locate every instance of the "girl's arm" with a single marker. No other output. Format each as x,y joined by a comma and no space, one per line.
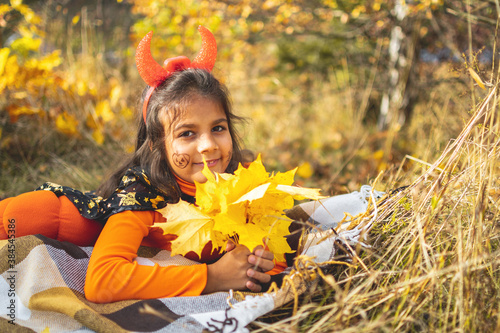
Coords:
113,275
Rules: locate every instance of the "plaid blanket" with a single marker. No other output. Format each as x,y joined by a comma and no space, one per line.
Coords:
42,290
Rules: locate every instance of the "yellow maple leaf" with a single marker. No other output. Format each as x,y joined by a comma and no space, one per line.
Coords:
300,193
247,206
190,224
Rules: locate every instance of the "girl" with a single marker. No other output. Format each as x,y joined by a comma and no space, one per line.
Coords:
187,119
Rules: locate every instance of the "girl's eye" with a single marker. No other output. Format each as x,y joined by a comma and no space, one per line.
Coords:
218,128
186,134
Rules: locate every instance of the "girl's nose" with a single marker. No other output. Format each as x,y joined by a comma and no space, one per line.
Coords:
207,144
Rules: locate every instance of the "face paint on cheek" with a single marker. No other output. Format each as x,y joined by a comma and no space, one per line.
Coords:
181,160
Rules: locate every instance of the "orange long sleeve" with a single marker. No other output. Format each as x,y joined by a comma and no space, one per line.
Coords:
113,275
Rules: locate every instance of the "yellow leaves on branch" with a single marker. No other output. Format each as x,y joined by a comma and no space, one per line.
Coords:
29,78
33,83
246,207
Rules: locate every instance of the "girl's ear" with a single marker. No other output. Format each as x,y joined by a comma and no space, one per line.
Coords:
150,146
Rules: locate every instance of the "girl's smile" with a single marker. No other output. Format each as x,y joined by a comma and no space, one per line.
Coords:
200,132
210,163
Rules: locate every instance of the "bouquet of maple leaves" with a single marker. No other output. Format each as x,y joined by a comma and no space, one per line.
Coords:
247,207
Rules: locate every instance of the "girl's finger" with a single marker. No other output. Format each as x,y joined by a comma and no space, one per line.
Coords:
254,287
258,276
261,256
260,264
230,246
264,254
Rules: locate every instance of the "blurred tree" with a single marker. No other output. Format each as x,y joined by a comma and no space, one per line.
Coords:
313,37
70,93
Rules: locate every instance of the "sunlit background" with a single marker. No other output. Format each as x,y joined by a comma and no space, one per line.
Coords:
352,92
341,89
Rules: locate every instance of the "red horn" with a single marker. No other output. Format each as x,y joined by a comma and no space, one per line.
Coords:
151,72
206,57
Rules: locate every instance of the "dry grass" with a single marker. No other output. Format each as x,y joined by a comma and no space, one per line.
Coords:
435,256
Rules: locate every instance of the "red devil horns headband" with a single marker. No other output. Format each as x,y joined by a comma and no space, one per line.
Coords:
154,74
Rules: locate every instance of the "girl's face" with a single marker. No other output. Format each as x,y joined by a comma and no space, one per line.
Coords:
200,132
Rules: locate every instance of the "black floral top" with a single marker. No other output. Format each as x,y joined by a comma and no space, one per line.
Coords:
135,192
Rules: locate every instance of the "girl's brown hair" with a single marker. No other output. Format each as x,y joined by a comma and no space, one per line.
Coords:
172,95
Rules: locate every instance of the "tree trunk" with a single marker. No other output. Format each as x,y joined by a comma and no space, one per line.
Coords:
401,56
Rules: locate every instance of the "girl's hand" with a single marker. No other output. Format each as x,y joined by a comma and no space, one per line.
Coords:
239,269
229,272
262,261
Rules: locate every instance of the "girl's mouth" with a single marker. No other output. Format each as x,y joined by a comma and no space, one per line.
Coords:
210,163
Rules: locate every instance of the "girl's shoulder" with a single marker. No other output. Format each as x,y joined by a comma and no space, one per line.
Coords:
135,192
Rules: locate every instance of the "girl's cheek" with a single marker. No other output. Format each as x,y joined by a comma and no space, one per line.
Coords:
228,159
181,160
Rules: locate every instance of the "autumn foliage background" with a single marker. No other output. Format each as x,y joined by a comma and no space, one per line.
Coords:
309,75
346,90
